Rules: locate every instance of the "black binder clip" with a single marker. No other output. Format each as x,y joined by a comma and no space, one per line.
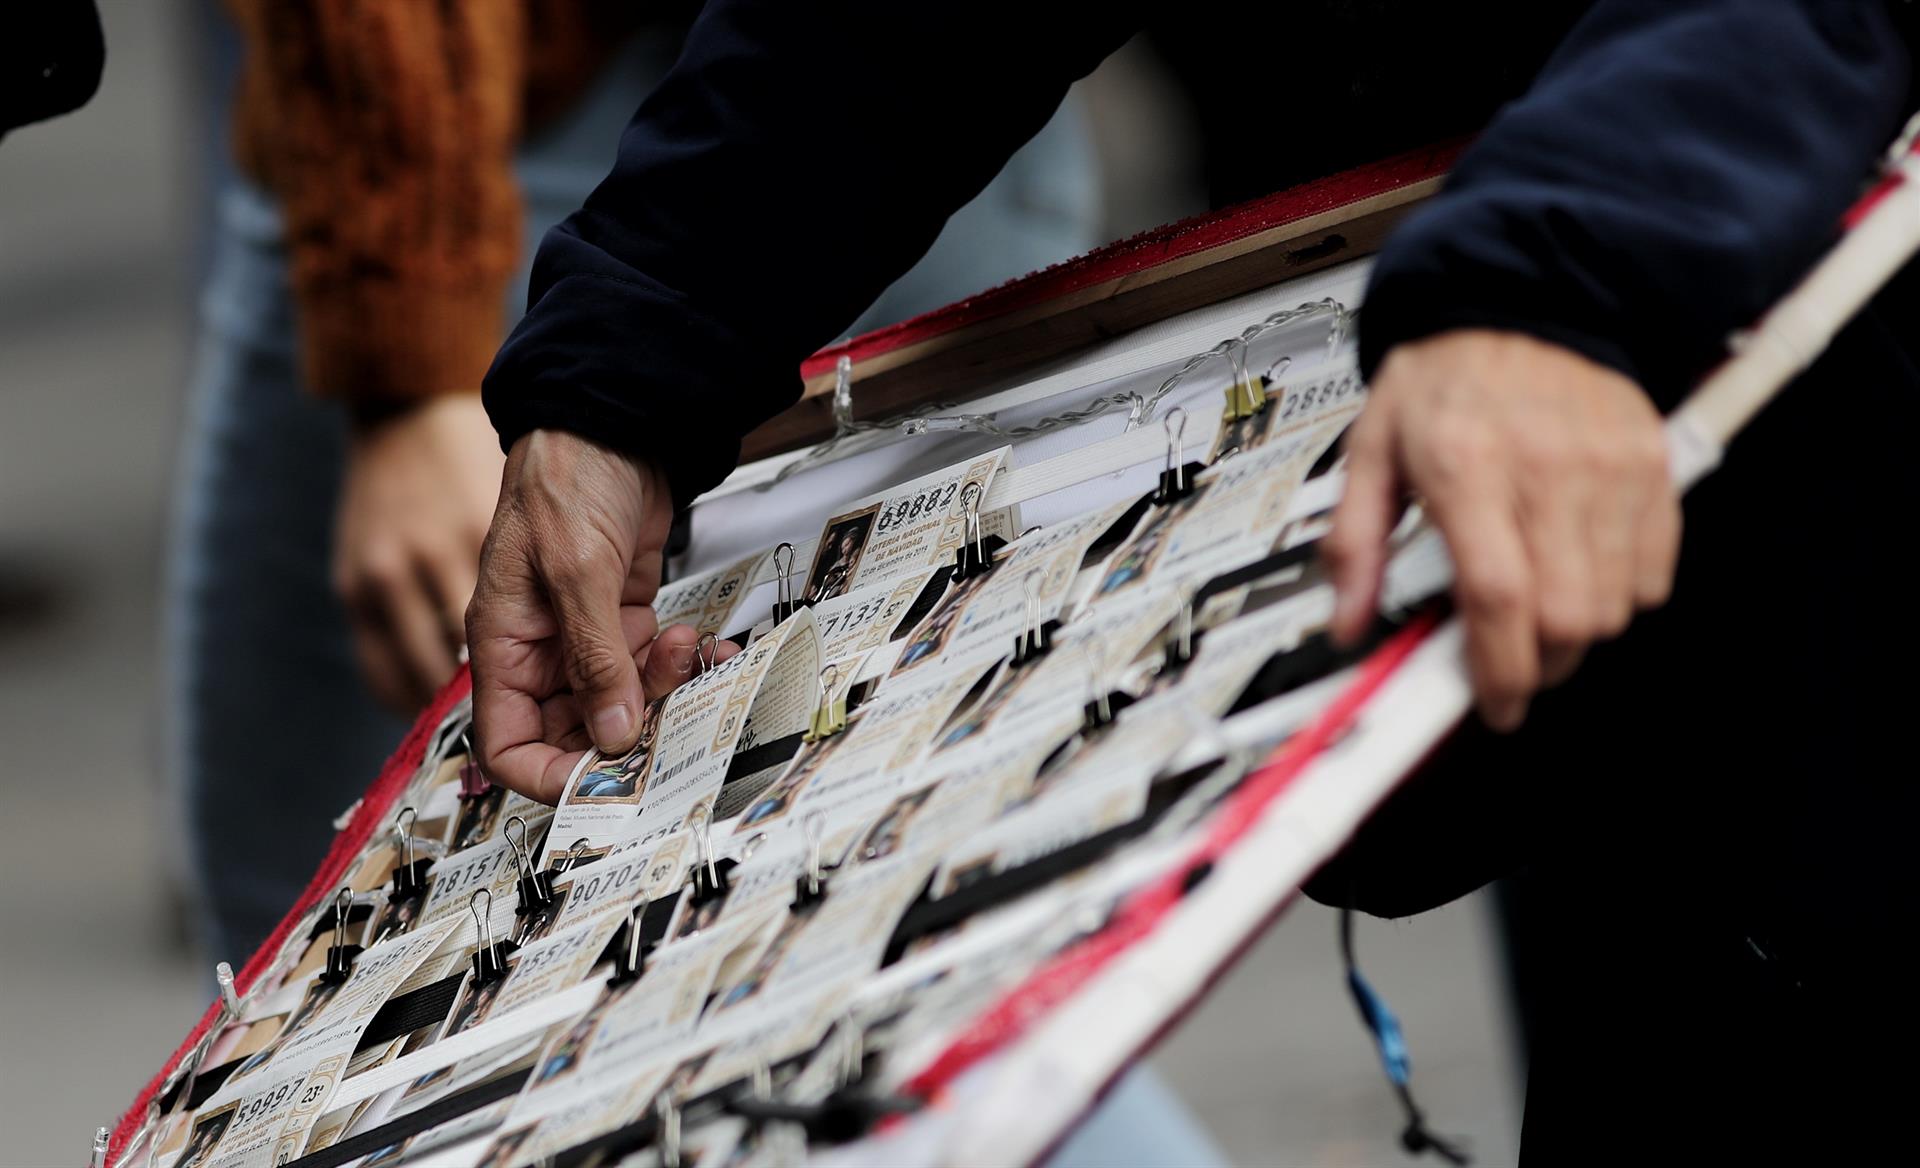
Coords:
340,955
534,890
490,959
630,950
1175,482
410,878
785,605
810,887
973,557
1037,641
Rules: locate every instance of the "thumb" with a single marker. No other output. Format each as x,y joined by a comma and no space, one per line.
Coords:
1356,547
593,652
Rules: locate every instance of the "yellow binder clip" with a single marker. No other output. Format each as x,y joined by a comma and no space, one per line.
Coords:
831,716
1247,395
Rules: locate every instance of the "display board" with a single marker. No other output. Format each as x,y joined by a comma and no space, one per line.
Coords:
1036,723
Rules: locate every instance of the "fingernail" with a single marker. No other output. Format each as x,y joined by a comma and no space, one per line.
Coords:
682,658
611,726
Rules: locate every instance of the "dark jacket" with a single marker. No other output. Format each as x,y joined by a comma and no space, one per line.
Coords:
1716,809
1675,166
51,55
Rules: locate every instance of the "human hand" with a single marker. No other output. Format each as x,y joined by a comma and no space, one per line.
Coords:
414,505
561,629
1546,473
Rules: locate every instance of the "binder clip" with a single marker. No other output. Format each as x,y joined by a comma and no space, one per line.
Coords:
410,878
973,557
785,605
630,951
340,955
473,783
810,887
1175,482
709,878
533,890
667,1126
1103,705
1247,395
490,959
707,649
1180,645
830,717
1037,641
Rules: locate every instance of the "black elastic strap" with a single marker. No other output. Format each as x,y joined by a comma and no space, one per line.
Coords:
414,1122
763,756
412,1010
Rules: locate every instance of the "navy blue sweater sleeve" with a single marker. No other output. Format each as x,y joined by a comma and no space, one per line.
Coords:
1677,165
800,156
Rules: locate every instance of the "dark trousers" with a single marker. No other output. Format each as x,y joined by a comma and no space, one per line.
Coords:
1716,815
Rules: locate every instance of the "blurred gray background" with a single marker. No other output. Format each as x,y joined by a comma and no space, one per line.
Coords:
99,979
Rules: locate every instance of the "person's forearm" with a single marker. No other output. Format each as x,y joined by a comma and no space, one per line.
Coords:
799,157
387,131
1677,165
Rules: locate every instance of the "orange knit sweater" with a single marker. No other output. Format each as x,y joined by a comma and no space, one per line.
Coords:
387,128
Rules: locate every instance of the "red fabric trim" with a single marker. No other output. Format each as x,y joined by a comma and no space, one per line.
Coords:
1067,972
1148,249
1880,191
371,813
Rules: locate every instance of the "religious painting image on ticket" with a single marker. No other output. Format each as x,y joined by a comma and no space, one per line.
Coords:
617,780
316,999
477,819
477,1002
839,555
207,1130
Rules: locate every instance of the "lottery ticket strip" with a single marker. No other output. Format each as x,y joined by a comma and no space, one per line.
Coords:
980,808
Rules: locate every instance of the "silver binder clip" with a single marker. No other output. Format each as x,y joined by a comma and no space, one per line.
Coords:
629,951
668,1116
830,716
490,959
709,879
810,888
707,648
532,890
1180,644
410,878
1037,641
784,604
1174,482
340,954
972,558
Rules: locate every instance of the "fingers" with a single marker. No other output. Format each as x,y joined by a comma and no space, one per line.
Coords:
674,657
1557,529
594,651
1356,547
1494,589
1656,539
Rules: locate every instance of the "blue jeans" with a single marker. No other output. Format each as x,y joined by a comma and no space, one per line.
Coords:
271,731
